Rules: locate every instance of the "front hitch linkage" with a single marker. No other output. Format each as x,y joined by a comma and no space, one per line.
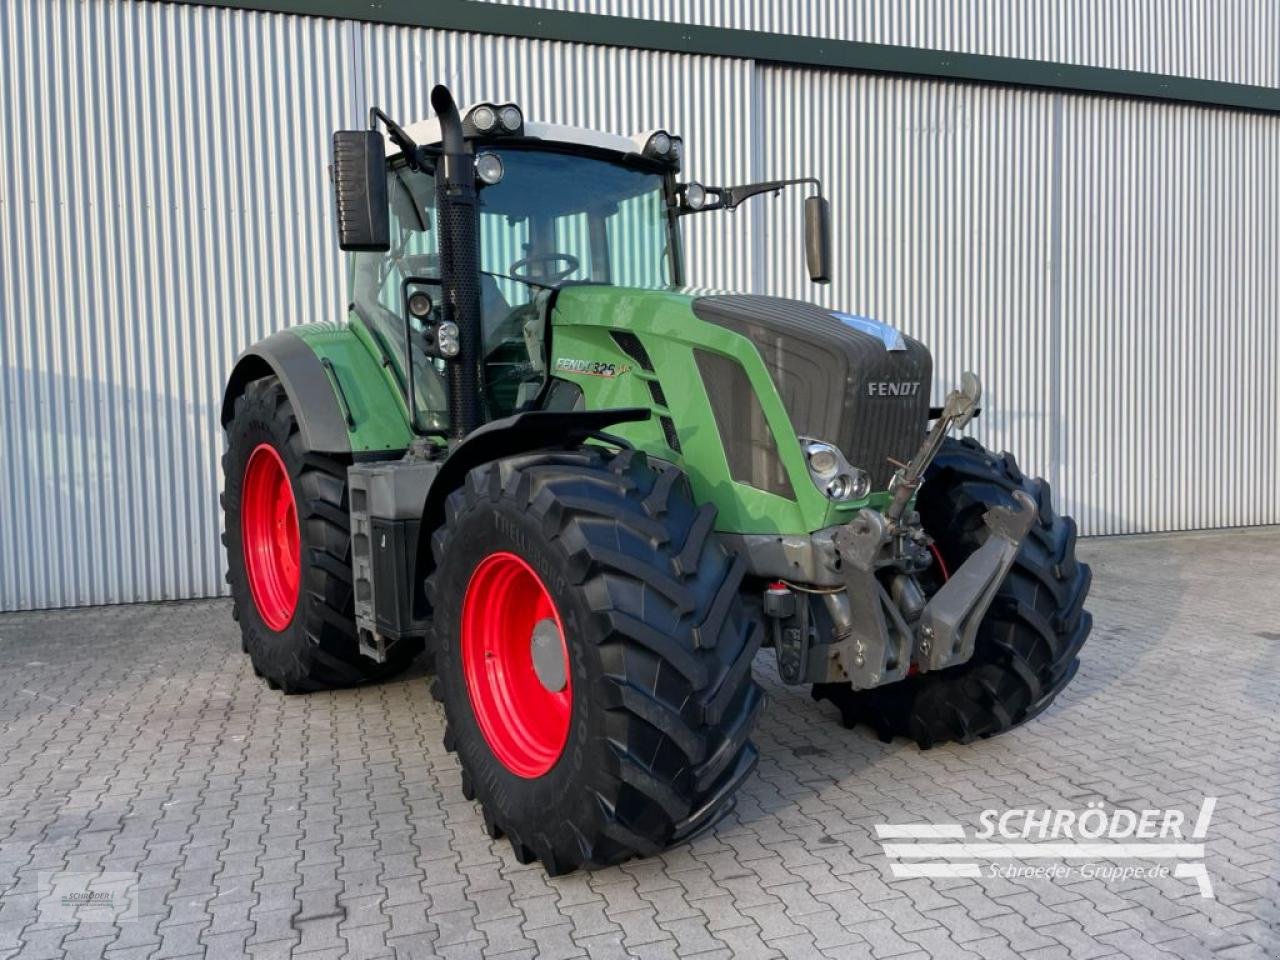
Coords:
881,645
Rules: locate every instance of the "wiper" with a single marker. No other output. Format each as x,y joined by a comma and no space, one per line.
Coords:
524,280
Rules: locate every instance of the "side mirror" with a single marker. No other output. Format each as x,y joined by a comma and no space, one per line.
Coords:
359,174
817,238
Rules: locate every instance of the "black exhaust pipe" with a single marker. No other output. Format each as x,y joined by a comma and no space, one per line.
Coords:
459,264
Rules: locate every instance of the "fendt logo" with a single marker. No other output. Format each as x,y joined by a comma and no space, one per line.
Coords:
893,388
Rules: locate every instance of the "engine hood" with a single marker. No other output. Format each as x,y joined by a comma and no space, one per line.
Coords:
845,379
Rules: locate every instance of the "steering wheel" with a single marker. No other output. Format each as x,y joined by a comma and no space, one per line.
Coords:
546,275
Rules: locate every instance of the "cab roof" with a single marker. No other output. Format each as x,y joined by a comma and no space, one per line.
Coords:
427,132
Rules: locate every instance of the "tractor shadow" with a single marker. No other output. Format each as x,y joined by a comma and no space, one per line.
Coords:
112,483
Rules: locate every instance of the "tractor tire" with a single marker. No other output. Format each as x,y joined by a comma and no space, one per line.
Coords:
287,538
592,656
1025,652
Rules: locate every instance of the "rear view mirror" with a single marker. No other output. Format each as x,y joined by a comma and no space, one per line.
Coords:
360,190
817,238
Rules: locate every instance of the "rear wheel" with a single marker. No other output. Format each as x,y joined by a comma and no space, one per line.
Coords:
1026,647
591,655
288,550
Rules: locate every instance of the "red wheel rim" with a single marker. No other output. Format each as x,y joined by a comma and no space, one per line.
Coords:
524,721
269,529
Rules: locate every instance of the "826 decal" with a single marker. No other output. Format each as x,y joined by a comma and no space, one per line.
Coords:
592,368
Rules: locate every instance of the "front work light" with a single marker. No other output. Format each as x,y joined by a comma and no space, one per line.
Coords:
447,339
493,120
420,304
483,118
510,117
664,148
489,168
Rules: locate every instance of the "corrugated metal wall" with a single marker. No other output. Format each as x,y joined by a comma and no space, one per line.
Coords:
943,194
162,204
1107,266
1231,40
1168,401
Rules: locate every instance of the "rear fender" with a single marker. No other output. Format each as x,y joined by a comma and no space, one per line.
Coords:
345,400
320,417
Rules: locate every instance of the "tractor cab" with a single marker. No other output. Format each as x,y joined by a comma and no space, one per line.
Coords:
556,206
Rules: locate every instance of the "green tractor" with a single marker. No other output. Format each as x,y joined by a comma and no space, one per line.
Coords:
592,494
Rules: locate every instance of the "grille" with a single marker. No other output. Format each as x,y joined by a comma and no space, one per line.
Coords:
838,383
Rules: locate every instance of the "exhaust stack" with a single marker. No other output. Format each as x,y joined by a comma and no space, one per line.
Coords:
459,264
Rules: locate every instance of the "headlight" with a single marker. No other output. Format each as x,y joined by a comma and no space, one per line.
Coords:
483,118
659,146
831,473
489,168
664,148
695,196
419,304
849,486
447,339
510,117
493,120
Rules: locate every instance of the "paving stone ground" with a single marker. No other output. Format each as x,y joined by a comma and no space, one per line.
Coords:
136,740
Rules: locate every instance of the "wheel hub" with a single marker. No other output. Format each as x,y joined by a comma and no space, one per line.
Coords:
546,650
516,664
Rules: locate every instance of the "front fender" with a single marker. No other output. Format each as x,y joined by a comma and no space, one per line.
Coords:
521,433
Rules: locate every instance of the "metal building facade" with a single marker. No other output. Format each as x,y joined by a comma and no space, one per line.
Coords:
1232,40
1107,265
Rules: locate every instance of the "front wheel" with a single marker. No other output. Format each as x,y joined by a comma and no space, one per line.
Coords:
591,655
1025,652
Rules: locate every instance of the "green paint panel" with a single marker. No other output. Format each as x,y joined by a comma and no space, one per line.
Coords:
585,352
372,395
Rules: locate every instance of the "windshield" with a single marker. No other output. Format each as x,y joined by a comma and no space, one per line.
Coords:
556,217
553,218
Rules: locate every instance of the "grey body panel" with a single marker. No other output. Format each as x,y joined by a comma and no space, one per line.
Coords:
386,500
829,373
871,632
320,420
809,559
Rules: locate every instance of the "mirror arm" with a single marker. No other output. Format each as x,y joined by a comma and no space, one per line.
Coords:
817,216
730,197
412,152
